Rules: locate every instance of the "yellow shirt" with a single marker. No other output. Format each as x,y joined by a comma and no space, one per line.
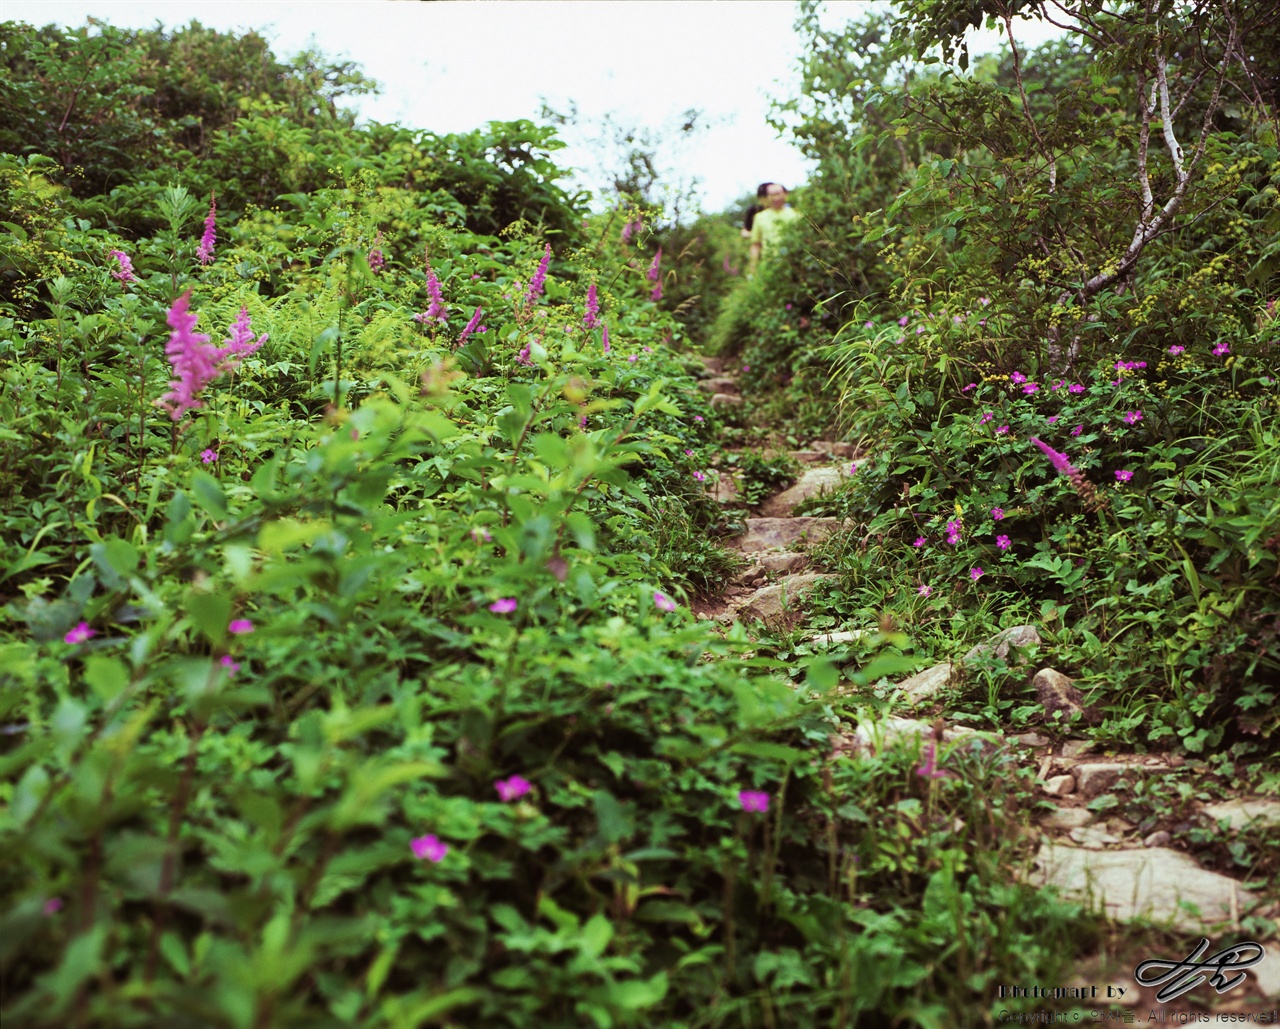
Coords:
767,227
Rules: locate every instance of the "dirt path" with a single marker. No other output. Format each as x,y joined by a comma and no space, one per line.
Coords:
1137,868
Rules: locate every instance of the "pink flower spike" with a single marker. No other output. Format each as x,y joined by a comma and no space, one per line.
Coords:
208,456
471,326
230,664
504,606
240,626
429,848
903,321
928,768
976,573
1060,461
79,634
604,337
204,252
52,906
925,590
853,468
1003,542
512,789
1123,475
655,269
753,800
663,603
125,274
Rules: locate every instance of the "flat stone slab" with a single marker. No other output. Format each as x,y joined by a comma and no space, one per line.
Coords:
923,685
1149,883
768,533
1067,818
1242,812
725,400
999,644
720,384
809,456
832,639
786,562
782,597
813,483
896,732
715,365
1095,778
836,449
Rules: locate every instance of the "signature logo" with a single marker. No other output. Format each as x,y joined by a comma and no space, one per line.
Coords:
1185,975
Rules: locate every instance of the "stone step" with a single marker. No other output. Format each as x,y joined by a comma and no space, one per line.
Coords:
780,600
725,400
813,483
773,533
720,384
715,365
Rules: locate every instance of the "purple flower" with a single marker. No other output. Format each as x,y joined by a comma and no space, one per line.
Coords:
956,319
125,274
929,766
920,541
903,321
997,513
753,800
1123,475
230,664
437,310
1030,387
1133,417
919,330
633,358
470,327
539,277
376,260
697,417
663,603
976,573
1051,419
1059,384
868,325
504,606
972,385
79,634
1176,349
52,906
656,293
853,468
481,535
901,339
523,356
1017,377
1002,430
592,318
700,476
240,626
1077,430
925,590
985,418
204,252
655,268
1003,542
984,301
1220,350
512,789
1075,387
604,337
208,456
429,848
1060,461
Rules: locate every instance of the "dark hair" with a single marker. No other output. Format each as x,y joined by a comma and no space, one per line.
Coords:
762,190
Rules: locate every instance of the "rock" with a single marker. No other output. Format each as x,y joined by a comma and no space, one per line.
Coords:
1156,883
1093,780
715,365
720,384
1059,786
1093,836
1074,748
1160,838
781,598
1242,812
809,456
833,638
725,400
812,483
999,644
1267,973
785,562
767,533
750,575
925,684
1067,818
835,449
722,487
1060,698
1030,739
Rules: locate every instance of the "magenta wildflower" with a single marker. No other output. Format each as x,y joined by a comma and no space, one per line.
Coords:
901,339
1060,461
52,906
1175,349
697,418
376,260
920,541
929,766
1077,430
1123,475
972,385
523,356
753,800
1003,542
504,606
976,573
592,318
1133,417
1002,430
481,535
437,310
1017,377
539,277
208,456
985,418
125,274
655,294
1030,387
79,634
429,848
1220,350
196,363
984,301
655,267
470,327
853,468
663,603
700,476
240,626
205,250
633,358
1059,384
997,513
925,590
919,330
582,422
868,325
604,337
513,788
1075,387
230,664
903,321
1051,419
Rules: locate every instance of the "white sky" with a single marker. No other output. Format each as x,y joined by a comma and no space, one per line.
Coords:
451,67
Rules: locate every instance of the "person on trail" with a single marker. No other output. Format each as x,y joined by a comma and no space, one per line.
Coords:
761,192
767,226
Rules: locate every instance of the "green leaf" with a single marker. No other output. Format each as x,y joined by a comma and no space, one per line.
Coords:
210,613
106,676
209,494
